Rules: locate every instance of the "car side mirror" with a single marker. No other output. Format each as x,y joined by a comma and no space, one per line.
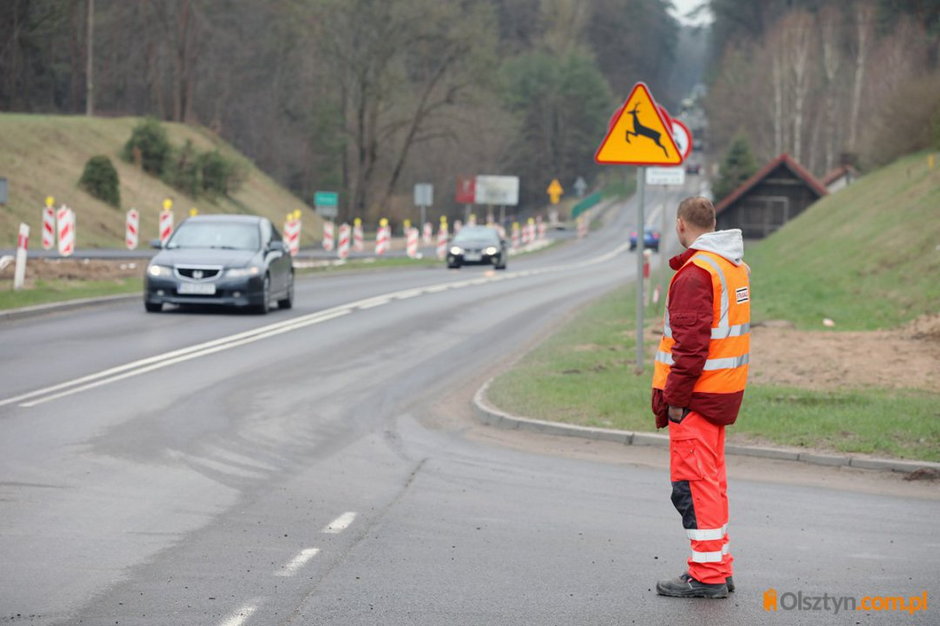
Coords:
156,243
276,246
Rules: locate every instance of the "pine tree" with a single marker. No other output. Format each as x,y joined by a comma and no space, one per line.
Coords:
739,165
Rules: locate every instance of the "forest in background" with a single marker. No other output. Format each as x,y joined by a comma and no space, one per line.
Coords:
368,97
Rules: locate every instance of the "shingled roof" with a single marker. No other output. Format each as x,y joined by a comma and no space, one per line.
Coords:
784,159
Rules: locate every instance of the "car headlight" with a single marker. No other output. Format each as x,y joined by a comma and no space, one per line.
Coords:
490,251
456,250
243,272
158,271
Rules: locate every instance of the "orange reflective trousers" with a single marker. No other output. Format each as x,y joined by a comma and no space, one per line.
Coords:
700,494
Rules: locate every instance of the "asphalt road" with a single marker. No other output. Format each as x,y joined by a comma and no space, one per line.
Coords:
319,466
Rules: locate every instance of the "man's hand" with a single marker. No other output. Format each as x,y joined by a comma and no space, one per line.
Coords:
676,413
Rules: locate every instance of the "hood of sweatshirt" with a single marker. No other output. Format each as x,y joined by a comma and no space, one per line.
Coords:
727,243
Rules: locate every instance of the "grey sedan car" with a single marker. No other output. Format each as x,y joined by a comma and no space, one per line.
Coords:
231,260
477,245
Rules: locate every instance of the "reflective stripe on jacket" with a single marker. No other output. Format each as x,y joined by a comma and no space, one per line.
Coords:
725,368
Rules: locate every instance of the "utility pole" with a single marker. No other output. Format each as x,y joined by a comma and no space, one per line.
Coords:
89,64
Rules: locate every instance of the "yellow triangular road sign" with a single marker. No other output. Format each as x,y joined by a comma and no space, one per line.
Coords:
639,135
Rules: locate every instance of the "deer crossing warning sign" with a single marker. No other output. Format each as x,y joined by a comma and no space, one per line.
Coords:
638,134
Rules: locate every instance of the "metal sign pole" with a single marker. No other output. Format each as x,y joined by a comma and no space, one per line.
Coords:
640,240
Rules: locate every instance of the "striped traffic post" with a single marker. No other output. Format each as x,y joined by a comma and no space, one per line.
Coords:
358,240
65,223
382,238
412,243
132,229
19,270
48,224
328,235
442,239
515,235
343,251
166,221
427,236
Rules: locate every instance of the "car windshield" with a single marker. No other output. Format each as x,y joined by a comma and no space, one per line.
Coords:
476,233
222,235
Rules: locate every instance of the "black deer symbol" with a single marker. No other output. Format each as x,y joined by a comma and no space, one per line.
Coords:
640,130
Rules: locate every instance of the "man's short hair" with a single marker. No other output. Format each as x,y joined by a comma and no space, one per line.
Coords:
698,212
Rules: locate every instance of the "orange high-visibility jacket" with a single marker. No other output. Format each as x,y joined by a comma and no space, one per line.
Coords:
724,370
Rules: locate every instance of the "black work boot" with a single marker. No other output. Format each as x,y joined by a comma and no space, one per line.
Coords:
687,587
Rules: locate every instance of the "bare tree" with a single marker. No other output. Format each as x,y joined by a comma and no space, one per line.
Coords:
864,33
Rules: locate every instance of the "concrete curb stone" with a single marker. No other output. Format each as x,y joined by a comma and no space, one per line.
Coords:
67,305
489,415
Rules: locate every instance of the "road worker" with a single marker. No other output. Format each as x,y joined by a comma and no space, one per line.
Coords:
700,372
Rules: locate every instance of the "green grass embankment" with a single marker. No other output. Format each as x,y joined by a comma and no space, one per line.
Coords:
44,155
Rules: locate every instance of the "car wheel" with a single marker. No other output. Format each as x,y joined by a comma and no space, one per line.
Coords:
288,302
453,266
153,307
501,265
265,305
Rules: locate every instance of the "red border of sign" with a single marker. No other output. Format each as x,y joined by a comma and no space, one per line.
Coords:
688,133
610,131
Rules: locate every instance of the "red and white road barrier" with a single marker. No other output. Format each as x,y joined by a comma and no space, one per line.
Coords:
540,227
65,222
132,229
471,221
442,240
515,235
328,236
48,227
343,250
292,226
383,238
357,238
582,227
166,225
458,225
427,237
19,270
411,247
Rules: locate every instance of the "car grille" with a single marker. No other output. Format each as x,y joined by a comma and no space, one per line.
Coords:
198,273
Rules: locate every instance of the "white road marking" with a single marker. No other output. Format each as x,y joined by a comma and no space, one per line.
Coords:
297,562
340,524
142,366
241,615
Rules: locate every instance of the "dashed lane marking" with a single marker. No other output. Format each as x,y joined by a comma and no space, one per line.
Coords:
340,524
297,562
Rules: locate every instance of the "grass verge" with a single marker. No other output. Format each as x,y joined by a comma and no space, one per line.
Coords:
47,291
584,375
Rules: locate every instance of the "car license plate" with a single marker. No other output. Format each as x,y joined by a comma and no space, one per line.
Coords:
471,257
196,289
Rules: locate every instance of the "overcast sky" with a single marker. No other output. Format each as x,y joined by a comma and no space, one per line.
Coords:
682,7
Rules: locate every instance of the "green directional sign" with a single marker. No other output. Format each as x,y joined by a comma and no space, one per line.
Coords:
325,199
326,203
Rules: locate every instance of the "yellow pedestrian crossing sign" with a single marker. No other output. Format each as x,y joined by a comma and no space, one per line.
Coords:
638,134
554,191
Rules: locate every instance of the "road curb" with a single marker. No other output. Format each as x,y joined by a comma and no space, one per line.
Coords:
67,305
491,416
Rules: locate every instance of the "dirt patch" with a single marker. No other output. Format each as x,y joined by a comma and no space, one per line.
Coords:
77,269
825,360
908,357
